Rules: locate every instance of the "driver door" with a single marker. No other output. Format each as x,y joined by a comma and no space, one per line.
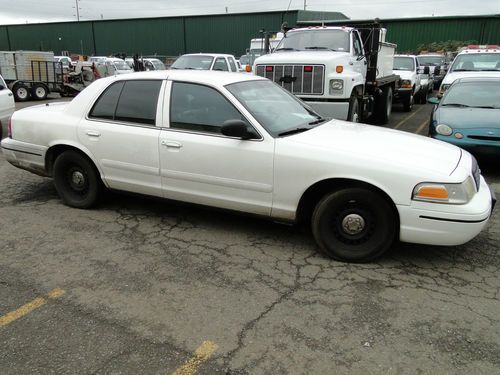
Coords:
200,165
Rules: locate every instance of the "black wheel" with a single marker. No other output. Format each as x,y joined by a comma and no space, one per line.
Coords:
76,180
21,92
384,106
354,114
39,91
354,225
408,103
422,97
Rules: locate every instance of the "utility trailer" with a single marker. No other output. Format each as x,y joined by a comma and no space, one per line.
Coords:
344,72
35,74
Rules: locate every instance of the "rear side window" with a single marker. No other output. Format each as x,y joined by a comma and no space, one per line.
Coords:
220,64
232,64
129,101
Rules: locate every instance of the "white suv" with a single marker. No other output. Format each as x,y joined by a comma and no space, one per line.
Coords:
7,107
475,61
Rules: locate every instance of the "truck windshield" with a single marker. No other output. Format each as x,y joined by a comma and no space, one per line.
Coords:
273,107
431,60
198,62
403,63
121,65
476,62
336,40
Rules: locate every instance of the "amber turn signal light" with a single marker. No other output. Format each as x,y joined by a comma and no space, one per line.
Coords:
339,69
432,192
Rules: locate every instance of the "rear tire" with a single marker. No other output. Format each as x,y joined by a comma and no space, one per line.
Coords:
354,225
21,92
39,91
76,180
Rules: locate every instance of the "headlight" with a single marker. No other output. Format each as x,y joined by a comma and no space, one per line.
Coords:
444,129
336,86
406,84
445,193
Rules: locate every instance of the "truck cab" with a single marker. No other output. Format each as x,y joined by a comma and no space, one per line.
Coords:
327,66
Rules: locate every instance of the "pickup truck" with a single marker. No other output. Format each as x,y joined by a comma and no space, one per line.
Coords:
412,87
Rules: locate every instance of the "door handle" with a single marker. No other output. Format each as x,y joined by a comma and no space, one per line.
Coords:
92,133
171,144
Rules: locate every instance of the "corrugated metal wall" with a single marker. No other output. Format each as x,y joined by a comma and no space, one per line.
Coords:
64,36
4,40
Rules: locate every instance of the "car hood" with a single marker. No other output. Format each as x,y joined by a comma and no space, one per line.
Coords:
405,74
451,77
301,57
392,148
466,118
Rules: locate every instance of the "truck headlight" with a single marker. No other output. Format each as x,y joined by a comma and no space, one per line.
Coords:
406,84
444,129
445,193
336,86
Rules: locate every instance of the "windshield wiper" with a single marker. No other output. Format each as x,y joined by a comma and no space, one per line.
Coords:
325,48
487,106
317,121
455,105
286,49
293,131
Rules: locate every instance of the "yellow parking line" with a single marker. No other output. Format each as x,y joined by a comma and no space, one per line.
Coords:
204,351
409,117
27,308
422,126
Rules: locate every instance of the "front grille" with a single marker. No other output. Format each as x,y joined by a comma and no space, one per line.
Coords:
298,79
484,138
476,173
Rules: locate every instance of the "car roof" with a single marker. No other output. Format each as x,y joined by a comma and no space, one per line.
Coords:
214,78
405,56
208,54
478,50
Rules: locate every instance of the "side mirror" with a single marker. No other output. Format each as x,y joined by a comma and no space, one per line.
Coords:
433,100
237,129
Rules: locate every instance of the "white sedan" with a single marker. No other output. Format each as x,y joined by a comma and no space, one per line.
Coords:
242,143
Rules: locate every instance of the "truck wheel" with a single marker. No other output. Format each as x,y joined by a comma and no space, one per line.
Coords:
76,180
422,98
384,106
21,92
354,224
408,103
354,111
39,91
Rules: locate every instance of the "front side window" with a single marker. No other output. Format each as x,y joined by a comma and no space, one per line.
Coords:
220,64
404,63
200,108
129,101
358,49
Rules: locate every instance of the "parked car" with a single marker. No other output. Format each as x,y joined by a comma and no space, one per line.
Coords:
468,116
7,106
411,88
206,61
112,66
149,63
475,61
438,66
241,142
64,60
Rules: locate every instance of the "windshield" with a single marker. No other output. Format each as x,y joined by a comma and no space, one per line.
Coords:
199,62
273,107
431,60
403,63
337,40
244,60
157,64
121,65
477,62
473,94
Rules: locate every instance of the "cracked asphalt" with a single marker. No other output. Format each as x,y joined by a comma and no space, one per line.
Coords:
147,281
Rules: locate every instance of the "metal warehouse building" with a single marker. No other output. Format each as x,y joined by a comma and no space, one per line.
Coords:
227,33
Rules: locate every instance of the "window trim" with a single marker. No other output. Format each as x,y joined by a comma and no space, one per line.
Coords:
159,106
169,90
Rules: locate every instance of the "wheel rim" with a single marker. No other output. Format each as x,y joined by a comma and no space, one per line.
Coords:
22,93
77,180
353,224
40,92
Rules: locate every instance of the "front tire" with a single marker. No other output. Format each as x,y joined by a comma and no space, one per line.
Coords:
76,180
354,225
384,106
408,103
354,114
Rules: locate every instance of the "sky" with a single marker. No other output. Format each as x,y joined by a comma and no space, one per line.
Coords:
34,11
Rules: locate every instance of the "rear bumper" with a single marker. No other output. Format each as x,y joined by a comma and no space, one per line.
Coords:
447,225
25,156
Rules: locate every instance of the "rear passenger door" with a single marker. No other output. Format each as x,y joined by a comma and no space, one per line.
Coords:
121,133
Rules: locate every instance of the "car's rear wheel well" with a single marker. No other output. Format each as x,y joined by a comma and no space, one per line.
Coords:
53,152
316,192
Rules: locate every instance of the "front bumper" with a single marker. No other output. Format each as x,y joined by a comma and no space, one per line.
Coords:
476,147
331,109
445,224
402,94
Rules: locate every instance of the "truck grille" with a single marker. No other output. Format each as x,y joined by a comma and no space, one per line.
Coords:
298,79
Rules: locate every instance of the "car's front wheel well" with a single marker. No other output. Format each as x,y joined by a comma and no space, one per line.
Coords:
54,151
316,192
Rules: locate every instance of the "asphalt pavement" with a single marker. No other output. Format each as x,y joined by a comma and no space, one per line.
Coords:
144,286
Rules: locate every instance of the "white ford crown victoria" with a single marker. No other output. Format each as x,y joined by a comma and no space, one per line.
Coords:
243,143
